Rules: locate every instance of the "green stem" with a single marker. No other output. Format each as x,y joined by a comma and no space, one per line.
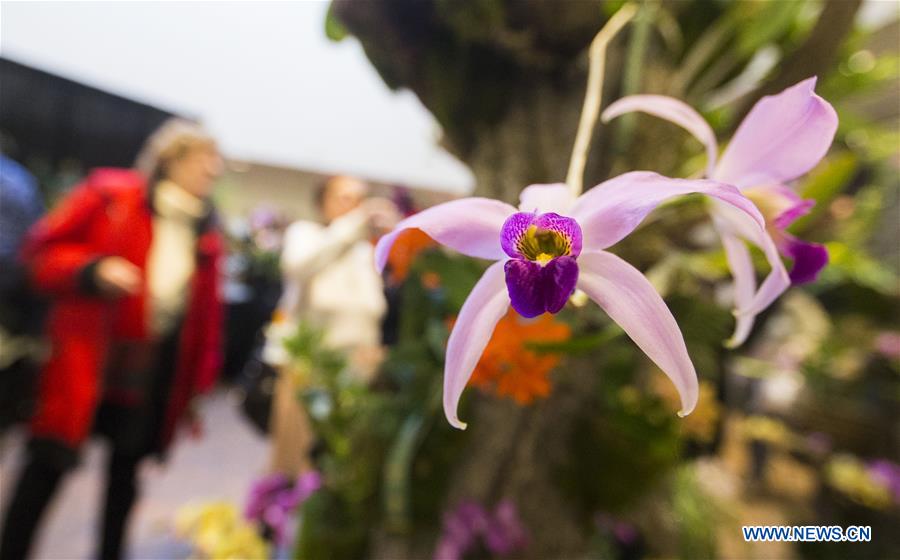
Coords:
593,96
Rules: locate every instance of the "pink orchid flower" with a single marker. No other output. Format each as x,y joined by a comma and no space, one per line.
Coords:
782,138
552,244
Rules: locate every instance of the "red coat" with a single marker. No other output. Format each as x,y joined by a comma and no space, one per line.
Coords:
109,214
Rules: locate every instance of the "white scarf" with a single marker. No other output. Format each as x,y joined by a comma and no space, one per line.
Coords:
172,258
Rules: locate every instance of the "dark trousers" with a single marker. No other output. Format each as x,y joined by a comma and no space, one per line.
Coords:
40,481
133,433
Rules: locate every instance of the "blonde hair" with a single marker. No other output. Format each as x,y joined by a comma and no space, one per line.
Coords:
170,142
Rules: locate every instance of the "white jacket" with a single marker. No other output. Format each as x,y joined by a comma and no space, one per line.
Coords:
330,281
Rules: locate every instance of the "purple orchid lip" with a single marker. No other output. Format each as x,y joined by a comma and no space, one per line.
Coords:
809,259
535,289
542,273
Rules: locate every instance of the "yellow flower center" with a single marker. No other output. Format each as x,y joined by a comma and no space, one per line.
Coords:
543,245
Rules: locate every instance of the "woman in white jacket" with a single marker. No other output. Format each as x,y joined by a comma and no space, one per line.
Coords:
330,282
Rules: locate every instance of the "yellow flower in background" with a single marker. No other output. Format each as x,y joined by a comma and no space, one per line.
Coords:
195,520
243,543
300,370
850,476
701,424
769,430
218,532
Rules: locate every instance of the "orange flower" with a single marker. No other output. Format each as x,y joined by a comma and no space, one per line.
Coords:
406,248
279,317
508,368
431,280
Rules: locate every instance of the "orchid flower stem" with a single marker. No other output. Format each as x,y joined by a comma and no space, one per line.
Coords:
593,96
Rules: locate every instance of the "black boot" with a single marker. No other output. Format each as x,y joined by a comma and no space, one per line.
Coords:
48,462
121,493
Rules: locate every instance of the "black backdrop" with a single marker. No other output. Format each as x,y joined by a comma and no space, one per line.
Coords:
52,118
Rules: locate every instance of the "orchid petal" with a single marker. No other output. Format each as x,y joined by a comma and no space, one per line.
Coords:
541,199
513,230
783,137
741,266
613,209
729,220
484,307
792,214
468,225
672,110
631,301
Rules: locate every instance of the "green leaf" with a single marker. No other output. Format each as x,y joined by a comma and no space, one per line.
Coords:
855,265
763,23
397,473
580,344
329,529
825,184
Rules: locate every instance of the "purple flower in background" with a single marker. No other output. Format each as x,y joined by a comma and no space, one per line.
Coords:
262,493
461,530
504,533
274,499
553,244
501,532
264,216
307,485
889,473
782,138
624,533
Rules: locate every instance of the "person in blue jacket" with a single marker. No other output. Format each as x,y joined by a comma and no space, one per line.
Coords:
21,313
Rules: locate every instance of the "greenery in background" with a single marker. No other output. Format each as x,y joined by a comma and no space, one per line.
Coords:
352,426
385,448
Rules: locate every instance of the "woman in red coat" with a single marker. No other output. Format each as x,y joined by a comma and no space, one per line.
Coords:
129,261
